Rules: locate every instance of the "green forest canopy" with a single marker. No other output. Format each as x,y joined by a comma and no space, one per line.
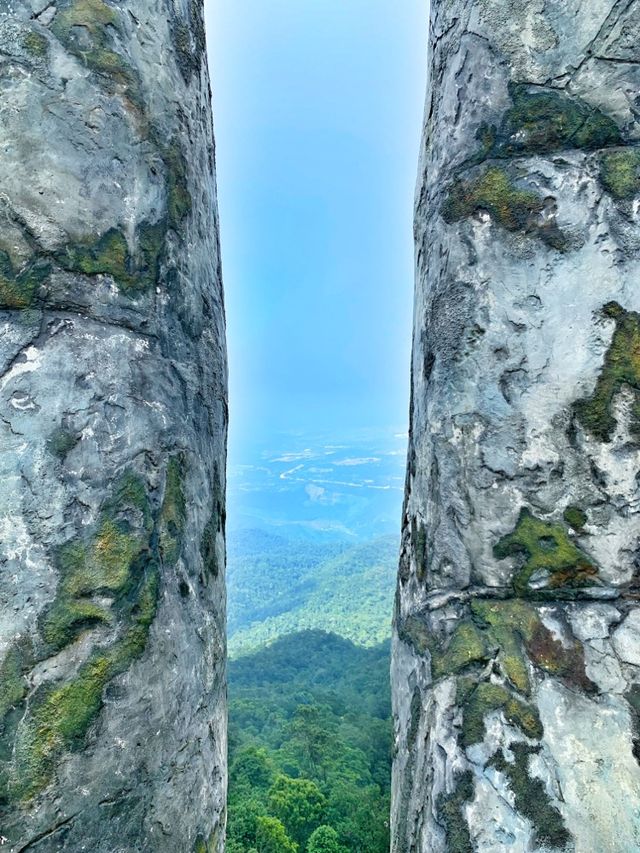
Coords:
279,586
310,747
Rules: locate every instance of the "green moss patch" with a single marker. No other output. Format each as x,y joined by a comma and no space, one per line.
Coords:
620,173
515,629
208,547
531,798
419,541
60,716
466,646
479,700
109,254
19,288
621,367
575,517
61,442
86,28
101,566
514,209
173,514
36,44
130,494
115,561
178,195
415,631
450,812
494,192
95,15
550,557
200,846
106,564
508,626
146,262
541,122
135,269
511,633
67,618
189,40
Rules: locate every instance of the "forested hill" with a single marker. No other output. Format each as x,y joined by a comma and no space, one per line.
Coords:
278,586
310,747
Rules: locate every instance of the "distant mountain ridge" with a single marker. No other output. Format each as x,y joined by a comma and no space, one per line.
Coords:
278,586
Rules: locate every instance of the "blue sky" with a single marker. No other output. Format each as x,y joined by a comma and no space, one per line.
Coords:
318,108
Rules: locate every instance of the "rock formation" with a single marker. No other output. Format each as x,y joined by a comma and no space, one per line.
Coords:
516,658
112,431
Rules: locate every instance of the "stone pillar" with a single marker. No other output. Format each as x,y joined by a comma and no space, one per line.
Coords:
112,431
517,630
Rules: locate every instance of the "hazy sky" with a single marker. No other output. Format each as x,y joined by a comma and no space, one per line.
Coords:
318,107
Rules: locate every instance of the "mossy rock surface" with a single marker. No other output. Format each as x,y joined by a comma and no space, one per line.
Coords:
178,196
531,798
514,628
116,564
450,812
575,517
189,40
552,564
94,15
419,542
109,563
541,122
19,287
60,716
13,684
36,44
173,512
514,209
61,442
68,617
620,173
208,547
134,271
467,646
479,700
101,566
621,368
86,28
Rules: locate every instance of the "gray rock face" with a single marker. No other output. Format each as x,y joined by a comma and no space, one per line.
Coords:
112,431
517,631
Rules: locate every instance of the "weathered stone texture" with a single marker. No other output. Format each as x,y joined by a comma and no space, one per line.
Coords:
517,632
112,431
